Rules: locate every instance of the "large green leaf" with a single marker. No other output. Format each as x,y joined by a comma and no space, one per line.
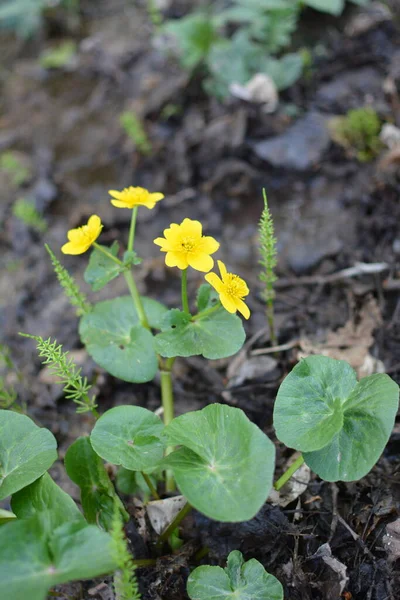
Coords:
115,339
34,557
102,269
26,452
45,497
333,7
98,496
217,335
225,465
308,409
239,580
129,436
6,516
368,418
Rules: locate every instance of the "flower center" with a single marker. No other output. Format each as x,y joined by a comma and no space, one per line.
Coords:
188,244
235,286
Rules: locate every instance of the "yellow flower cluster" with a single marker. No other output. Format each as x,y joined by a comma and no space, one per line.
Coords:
185,246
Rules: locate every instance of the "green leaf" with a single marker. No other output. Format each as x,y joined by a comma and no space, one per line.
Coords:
217,335
34,557
26,452
195,35
6,516
102,269
285,71
240,580
44,496
132,482
115,339
129,436
206,297
98,496
368,418
226,463
308,408
341,426
333,7
131,258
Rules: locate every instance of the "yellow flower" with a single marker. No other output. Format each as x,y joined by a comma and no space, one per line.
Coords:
82,238
187,247
231,289
135,196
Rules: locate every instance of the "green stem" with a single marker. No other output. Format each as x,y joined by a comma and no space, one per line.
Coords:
108,254
185,301
167,397
151,487
136,299
207,312
271,323
185,510
142,563
131,238
289,472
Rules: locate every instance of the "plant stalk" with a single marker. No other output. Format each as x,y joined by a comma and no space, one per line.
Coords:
289,472
136,299
132,228
167,398
185,510
151,487
207,312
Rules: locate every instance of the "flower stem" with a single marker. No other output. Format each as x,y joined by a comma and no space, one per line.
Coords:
132,228
185,302
289,472
185,510
137,301
167,397
151,487
207,312
108,254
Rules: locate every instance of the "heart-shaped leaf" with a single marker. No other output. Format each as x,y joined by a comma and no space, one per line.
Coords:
217,335
341,425
98,496
225,465
129,436
240,580
206,297
115,339
308,408
368,418
34,557
102,269
45,497
333,7
26,452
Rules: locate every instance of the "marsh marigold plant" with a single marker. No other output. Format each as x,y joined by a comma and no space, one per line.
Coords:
186,246
81,238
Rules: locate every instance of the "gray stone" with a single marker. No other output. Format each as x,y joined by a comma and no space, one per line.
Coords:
301,147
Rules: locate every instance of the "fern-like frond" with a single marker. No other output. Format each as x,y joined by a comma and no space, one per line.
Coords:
71,288
268,261
126,586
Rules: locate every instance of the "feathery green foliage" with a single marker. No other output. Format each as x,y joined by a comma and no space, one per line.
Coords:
76,297
8,394
26,212
14,167
358,131
126,586
134,129
76,387
268,262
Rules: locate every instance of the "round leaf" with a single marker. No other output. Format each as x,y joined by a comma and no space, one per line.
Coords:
98,496
44,496
102,269
26,452
226,463
115,339
308,408
129,436
368,418
238,581
34,557
217,335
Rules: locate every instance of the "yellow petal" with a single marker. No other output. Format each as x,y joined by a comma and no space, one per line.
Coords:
191,228
222,268
227,302
94,222
120,204
209,245
173,259
215,281
242,308
159,241
200,262
74,235
72,248
116,194
156,196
